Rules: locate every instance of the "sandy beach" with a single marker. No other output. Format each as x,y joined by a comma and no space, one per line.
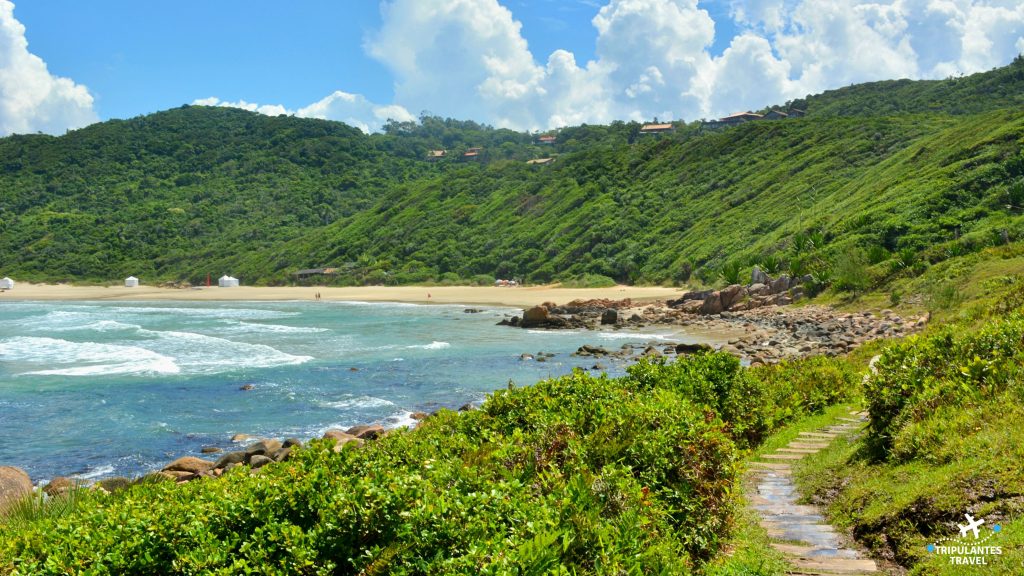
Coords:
520,296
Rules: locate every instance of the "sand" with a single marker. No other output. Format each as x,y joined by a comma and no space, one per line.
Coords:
471,295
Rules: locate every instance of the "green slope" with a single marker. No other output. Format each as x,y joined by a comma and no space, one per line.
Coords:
191,191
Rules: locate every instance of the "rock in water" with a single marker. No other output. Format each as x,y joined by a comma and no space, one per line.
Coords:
14,485
365,432
610,316
536,316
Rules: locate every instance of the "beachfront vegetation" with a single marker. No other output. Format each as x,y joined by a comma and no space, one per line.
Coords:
867,190
575,475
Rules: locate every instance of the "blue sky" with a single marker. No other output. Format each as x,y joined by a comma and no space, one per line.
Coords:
526,64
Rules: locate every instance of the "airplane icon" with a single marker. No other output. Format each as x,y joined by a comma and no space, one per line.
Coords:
972,525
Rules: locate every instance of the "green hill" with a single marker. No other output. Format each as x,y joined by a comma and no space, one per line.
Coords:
896,172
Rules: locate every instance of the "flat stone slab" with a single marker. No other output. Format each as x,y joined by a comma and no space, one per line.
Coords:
789,450
829,436
771,465
813,552
854,420
836,565
784,456
808,445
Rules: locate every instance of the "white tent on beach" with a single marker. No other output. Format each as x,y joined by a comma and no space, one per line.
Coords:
6,283
131,282
226,281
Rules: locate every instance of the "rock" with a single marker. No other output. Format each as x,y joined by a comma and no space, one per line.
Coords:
59,485
636,318
353,369
179,475
283,454
691,306
189,464
535,316
290,442
466,407
472,310
732,295
758,289
263,448
758,277
342,439
684,348
115,484
525,357
780,284
230,458
246,387
259,461
366,432
211,450
598,366
154,477
712,304
652,352
418,415
610,316
241,437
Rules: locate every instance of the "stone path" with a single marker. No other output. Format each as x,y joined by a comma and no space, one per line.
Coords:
800,532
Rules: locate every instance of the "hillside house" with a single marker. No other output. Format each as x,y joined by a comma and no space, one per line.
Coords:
547,140
473,154
775,115
435,155
657,128
540,161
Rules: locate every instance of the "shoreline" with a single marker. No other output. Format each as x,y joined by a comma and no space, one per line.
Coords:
520,296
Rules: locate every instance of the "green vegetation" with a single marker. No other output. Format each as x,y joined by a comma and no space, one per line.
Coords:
191,191
944,440
577,475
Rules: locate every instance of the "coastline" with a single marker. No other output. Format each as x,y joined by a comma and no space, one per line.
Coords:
520,296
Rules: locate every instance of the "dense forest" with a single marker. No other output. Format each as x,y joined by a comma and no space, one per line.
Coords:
896,175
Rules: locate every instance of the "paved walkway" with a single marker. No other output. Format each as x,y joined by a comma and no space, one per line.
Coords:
800,532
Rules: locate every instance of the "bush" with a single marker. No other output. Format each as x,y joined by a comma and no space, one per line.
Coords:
851,272
920,374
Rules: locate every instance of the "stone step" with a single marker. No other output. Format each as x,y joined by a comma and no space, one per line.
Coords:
814,551
783,456
835,565
854,420
808,445
786,509
771,466
818,435
789,450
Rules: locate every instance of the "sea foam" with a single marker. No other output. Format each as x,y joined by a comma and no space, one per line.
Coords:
66,358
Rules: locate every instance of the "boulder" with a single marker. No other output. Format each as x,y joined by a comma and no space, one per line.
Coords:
418,415
230,458
758,277
259,461
292,442
180,475
14,485
341,439
610,316
535,315
525,356
59,485
263,448
241,437
366,432
651,351
684,348
732,295
758,289
283,454
189,464
780,284
712,304
211,450
115,484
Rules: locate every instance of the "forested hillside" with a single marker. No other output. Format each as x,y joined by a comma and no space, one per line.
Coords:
897,174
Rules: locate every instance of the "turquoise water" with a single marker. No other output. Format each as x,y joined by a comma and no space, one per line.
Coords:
103,389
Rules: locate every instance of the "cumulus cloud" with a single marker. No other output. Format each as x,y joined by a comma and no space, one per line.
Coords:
32,99
352,109
468,58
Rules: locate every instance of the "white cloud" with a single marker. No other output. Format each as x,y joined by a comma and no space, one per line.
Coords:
32,99
352,109
468,59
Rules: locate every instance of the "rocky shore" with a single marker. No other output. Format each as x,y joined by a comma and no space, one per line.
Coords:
768,329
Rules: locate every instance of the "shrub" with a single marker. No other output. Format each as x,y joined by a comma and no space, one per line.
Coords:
851,273
731,272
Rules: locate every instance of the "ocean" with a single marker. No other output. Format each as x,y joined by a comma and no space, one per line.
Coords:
98,389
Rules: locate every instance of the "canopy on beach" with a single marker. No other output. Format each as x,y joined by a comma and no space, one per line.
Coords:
226,281
6,283
131,282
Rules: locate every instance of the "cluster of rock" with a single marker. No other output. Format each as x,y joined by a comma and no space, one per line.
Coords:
575,314
762,291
